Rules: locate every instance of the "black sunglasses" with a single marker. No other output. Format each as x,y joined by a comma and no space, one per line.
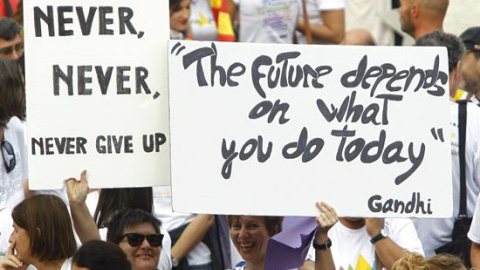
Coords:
9,50
8,156
136,239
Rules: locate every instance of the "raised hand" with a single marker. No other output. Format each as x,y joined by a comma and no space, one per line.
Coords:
325,220
77,190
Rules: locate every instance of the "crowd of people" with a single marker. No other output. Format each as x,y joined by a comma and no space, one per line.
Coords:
135,228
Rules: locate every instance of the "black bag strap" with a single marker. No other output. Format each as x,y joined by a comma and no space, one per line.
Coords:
8,8
462,132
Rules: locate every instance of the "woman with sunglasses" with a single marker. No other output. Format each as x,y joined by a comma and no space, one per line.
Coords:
42,236
13,169
137,233
13,154
108,202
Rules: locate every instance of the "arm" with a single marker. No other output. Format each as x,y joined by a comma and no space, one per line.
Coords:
328,217
387,250
192,235
475,255
332,29
83,222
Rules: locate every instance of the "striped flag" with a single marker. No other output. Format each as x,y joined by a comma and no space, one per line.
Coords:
222,18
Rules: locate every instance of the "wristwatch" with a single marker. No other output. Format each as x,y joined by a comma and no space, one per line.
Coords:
325,245
381,235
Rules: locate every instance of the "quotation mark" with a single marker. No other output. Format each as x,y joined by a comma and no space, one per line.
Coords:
438,132
178,46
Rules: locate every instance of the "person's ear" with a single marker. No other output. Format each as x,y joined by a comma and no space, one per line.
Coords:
415,11
454,79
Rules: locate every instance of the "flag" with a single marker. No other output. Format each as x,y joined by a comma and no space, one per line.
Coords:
223,20
289,248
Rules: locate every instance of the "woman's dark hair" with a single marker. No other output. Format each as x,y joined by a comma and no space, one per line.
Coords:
100,255
127,219
48,224
12,91
115,199
175,5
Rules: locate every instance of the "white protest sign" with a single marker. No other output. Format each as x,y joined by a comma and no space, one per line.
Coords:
270,129
97,98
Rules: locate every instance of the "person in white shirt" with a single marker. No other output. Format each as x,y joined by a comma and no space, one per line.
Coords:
370,243
435,233
326,20
265,21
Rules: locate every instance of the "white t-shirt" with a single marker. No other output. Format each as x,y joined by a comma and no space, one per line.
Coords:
6,228
67,264
314,8
11,184
436,232
474,232
162,198
352,249
243,268
267,21
202,23
367,14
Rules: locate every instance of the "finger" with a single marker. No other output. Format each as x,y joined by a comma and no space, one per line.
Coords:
328,210
324,221
9,264
13,261
83,176
11,249
70,181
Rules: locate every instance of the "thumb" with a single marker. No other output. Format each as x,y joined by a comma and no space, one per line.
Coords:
11,249
83,176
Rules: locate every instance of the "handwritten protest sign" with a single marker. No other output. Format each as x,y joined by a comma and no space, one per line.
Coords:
271,129
97,92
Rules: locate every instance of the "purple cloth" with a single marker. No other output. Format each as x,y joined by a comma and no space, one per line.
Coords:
289,248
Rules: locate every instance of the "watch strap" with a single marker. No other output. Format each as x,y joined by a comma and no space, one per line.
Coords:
325,245
377,237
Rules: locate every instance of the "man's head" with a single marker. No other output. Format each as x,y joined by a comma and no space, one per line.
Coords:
455,49
11,45
471,63
419,17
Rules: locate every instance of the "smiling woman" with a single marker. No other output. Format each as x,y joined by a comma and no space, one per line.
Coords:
250,235
137,233
179,16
